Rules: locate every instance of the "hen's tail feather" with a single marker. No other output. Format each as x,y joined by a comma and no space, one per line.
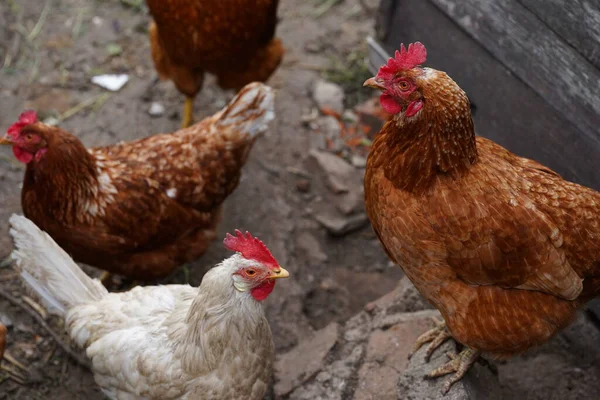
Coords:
250,111
49,271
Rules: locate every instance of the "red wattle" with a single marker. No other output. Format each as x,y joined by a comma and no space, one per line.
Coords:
263,291
22,155
413,108
390,105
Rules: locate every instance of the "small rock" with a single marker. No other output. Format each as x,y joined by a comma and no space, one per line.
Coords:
328,95
156,109
339,226
351,202
314,46
306,359
330,128
303,185
6,320
358,161
310,246
350,116
339,172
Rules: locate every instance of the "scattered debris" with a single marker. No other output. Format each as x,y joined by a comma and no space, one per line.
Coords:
156,109
331,129
113,49
303,185
328,95
114,83
77,357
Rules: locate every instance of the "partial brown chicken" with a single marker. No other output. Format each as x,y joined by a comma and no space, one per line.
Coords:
168,341
143,208
504,247
232,39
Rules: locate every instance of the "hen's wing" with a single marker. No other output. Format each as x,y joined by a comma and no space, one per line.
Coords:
129,342
495,234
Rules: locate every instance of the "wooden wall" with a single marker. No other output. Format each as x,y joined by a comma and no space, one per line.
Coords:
530,66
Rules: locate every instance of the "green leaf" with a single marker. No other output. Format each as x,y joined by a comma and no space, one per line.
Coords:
114,49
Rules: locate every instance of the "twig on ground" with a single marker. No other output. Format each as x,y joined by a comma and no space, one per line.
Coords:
66,348
40,23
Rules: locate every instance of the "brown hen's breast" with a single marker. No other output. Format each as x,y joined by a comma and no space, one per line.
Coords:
501,251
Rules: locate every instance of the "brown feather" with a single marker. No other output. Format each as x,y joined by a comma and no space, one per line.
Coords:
233,39
501,245
142,208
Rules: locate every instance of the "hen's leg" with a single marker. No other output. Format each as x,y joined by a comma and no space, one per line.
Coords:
435,337
106,278
459,364
188,112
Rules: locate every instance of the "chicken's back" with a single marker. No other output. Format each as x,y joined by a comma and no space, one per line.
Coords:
140,346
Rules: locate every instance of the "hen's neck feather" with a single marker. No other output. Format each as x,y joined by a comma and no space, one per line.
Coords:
220,318
65,180
438,140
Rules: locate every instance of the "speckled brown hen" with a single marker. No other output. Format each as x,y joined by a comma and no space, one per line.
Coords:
232,39
143,208
504,247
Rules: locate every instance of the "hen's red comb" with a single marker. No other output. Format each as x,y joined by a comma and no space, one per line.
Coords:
404,59
27,117
250,247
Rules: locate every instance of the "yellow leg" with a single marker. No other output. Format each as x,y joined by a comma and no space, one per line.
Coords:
106,278
188,112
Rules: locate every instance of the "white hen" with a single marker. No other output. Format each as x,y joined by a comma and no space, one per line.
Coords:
163,342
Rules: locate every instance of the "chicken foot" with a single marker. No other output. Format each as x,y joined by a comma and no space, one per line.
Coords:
459,364
435,337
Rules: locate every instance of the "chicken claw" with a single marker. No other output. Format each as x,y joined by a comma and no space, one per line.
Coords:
459,363
436,336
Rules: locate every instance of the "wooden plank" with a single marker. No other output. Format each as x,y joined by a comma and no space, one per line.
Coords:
524,44
508,111
576,21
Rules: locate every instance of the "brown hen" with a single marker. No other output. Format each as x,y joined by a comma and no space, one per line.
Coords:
142,208
504,247
232,39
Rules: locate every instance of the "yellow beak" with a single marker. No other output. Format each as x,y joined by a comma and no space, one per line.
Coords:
374,83
279,273
6,141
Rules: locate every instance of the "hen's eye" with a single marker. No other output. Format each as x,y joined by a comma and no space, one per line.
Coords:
403,85
29,136
250,272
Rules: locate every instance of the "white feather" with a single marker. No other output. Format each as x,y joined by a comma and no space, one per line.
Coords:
49,270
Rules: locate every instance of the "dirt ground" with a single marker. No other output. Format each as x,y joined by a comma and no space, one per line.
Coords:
49,52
